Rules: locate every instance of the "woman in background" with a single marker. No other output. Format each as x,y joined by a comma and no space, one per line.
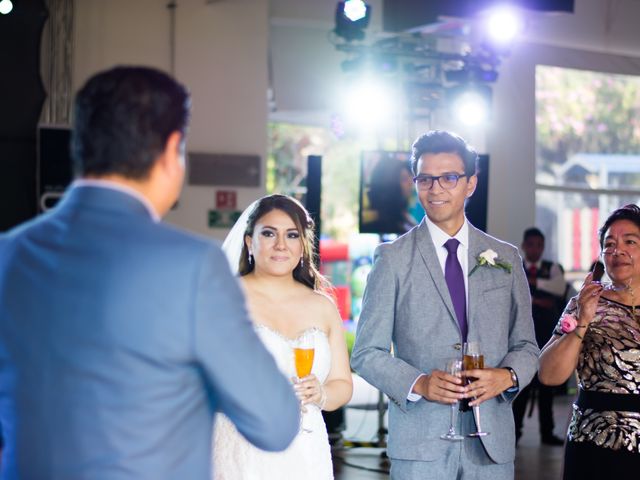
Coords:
599,334
271,247
390,191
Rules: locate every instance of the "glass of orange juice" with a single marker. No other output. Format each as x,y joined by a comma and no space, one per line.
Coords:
304,351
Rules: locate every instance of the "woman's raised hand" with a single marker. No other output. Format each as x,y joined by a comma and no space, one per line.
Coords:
587,300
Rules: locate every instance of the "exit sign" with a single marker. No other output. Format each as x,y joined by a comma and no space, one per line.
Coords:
223,218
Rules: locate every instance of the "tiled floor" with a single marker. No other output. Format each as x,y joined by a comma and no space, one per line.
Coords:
533,460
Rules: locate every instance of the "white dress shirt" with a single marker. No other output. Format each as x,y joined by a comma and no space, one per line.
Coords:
439,238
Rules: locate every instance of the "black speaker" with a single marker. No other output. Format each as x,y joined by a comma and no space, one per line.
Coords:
476,207
313,198
55,170
21,99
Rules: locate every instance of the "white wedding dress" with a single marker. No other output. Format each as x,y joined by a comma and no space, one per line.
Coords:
309,455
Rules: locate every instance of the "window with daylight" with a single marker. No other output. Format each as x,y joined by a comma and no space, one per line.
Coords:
587,157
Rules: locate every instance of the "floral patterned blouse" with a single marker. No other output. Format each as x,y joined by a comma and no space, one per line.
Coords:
609,362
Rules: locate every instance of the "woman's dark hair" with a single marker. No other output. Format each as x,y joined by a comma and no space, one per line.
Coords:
629,212
307,274
123,118
440,141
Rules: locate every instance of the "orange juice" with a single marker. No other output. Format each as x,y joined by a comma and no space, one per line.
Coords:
304,360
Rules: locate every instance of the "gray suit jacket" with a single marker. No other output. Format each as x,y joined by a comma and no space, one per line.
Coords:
119,340
407,304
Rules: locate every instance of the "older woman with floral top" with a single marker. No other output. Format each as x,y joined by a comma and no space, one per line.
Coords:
599,335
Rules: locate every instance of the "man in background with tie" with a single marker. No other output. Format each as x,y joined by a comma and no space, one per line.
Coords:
442,284
547,286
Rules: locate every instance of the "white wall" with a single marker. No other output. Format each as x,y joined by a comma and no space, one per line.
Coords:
221,56
511,141
586,39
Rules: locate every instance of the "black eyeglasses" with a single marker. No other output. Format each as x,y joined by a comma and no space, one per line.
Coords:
448,181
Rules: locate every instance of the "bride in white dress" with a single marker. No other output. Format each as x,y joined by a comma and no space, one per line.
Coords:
271,247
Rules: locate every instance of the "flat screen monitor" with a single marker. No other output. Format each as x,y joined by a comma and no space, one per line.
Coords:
388,200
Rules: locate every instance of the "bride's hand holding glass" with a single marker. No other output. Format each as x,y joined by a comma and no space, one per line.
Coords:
310,392
304,353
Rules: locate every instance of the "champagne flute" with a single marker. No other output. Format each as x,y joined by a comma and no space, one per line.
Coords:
473,359
304,351
453,366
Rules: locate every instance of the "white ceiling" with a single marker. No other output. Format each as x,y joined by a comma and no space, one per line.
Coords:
305,66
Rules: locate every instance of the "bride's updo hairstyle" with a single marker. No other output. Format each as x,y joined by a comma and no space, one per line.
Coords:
307,273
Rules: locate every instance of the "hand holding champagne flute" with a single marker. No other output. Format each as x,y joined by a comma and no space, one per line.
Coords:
472,359
453,366
304,352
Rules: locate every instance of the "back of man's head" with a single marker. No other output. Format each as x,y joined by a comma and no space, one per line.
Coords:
122,120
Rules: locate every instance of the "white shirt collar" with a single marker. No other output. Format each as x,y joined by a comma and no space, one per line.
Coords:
99,183
439,236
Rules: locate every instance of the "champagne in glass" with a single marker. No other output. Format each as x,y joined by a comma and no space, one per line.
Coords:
304,361
453,366
472,359
304,351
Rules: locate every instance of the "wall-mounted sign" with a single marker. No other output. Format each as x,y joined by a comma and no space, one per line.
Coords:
223,218
226,199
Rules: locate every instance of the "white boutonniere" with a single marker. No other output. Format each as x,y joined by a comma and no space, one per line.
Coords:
490,258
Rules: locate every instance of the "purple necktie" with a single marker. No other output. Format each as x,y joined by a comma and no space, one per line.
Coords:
455,281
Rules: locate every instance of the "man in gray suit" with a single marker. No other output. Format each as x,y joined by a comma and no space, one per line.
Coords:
429,291
120,337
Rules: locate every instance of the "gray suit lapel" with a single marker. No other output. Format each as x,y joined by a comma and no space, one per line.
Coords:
477,245
428,252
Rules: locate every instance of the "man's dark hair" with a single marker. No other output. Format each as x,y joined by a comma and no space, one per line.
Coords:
532,232
629,212
440,141
122,120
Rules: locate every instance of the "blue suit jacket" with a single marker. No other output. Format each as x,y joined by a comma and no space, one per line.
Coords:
119,339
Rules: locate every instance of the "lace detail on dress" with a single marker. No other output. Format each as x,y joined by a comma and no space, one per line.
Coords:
309,455
609,362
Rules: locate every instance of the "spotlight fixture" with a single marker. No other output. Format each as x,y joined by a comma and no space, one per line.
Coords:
5,7
503,24
470,104
352,17
354,10
368,103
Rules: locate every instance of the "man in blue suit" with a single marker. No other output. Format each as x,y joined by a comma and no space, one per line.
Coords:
120,337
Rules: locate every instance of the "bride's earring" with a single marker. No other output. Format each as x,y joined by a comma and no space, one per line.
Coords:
301,262
250,258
